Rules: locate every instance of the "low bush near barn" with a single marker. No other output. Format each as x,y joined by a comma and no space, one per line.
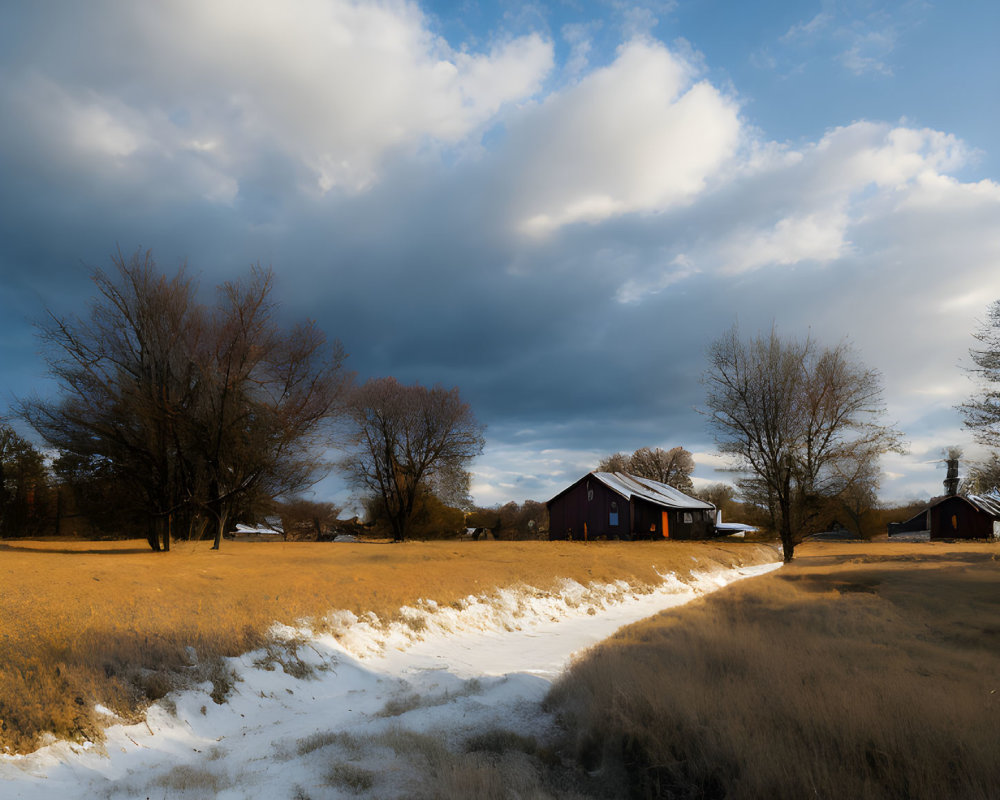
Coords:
861,671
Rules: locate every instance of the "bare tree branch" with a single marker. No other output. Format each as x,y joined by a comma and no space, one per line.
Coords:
194,411
802,420
408,440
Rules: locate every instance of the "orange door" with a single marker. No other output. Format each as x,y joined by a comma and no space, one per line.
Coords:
666,526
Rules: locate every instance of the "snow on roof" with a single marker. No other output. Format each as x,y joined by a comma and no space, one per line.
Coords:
989,502
630,486
269,527
735,527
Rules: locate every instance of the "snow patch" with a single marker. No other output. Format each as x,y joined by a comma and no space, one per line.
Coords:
373,692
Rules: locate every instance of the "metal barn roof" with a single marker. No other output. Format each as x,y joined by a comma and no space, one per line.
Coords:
630,486
989,502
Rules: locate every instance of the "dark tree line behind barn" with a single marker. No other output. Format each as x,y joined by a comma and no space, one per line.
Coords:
511,521
27,500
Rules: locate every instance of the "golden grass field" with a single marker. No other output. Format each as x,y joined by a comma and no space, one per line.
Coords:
108,622
857,671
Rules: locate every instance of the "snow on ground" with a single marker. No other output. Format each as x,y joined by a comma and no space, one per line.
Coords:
368,699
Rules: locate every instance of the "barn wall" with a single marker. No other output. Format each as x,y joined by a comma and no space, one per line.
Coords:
918,522
588,501
694,524
957,518
649,522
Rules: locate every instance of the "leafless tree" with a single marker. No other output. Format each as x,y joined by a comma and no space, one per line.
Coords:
857,497
672,467
982,410
795,416
306,519
265,396
407,440
722,496
125,376
983,476
190,409
430,519
616,462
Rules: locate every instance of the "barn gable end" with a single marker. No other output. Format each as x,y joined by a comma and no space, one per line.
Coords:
960,518
956,517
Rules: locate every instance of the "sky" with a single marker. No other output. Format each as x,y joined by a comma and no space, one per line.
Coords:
556,207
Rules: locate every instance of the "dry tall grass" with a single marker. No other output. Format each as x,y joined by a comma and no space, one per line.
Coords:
861,671
82,623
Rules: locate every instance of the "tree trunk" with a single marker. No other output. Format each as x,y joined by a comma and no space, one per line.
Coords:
785,503
220,529
787,541
398,527
152,535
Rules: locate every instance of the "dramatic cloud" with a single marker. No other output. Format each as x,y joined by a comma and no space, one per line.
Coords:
637,135
335,86
561,239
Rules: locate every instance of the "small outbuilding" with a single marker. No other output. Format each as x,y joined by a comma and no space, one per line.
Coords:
616,505
956,517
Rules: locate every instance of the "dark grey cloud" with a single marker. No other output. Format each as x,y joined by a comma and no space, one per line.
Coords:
572,340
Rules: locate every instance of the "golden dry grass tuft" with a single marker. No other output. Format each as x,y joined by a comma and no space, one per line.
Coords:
861,671
115,623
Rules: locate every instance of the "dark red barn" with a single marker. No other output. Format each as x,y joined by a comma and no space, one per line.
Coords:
616,505
956,517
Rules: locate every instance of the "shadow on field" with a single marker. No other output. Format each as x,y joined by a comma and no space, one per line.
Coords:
916,559
868,675
93,551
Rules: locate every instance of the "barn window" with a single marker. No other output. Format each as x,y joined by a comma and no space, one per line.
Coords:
590,492
613,516
688,518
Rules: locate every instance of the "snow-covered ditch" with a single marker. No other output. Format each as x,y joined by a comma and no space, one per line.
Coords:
353,712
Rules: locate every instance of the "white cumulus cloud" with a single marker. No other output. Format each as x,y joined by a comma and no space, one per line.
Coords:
638,135
332,85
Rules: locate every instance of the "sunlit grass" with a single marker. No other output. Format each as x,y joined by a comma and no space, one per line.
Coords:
861,671
114,623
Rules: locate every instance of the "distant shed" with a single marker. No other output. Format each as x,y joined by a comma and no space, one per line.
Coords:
956,517
616,505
